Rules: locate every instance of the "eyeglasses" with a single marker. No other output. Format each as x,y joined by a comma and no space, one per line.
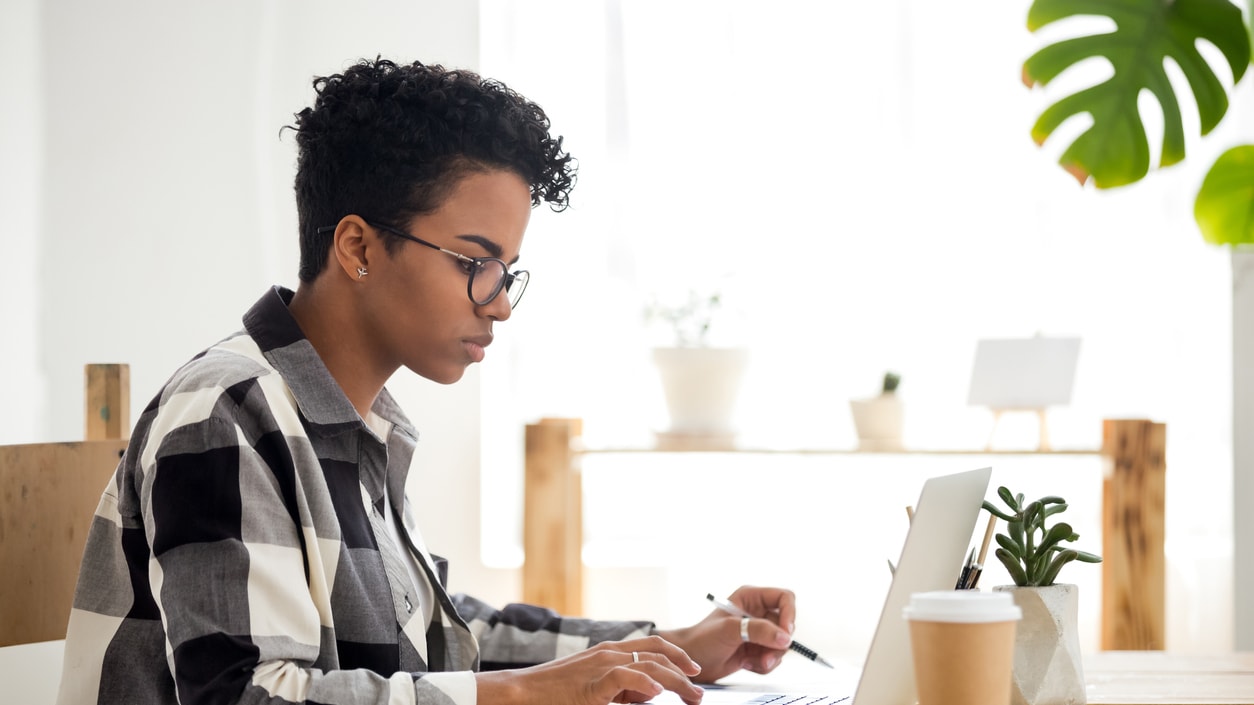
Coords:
487,276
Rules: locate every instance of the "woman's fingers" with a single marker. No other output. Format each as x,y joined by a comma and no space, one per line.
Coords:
759,660
626,672
650,665
650,680
662,671
659,650
763,632
644,678
626,685
779,603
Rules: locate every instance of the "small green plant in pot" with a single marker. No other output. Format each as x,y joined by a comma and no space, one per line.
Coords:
1031,549
701,382
1047,660
689,320
879,420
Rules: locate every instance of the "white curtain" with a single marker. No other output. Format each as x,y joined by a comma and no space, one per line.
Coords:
858,181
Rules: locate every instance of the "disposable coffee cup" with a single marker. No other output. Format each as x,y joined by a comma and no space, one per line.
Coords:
963,645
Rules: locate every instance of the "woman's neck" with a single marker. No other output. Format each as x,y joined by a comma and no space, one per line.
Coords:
338,337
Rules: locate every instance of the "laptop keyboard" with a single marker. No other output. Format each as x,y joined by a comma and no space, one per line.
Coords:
795,699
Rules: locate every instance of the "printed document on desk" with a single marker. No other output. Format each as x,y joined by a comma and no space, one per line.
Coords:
795,682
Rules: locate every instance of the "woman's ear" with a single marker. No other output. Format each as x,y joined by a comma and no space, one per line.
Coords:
348,246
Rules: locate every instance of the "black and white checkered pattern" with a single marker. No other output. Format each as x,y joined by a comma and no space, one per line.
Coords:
240,554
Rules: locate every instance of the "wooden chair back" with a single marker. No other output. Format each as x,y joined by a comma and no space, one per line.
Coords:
48,496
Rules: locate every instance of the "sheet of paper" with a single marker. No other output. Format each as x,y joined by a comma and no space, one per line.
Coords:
798,681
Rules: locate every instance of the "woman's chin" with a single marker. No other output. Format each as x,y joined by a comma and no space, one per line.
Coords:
447,375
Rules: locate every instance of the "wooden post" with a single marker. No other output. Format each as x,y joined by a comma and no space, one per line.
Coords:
1133,562
108,402
553,518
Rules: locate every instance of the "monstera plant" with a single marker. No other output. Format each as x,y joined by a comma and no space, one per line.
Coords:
1115,150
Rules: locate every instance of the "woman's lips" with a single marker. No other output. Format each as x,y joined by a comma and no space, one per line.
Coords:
475,349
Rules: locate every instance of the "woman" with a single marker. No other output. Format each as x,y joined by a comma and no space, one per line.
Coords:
257,546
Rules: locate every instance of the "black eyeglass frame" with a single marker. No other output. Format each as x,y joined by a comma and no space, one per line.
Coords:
505,283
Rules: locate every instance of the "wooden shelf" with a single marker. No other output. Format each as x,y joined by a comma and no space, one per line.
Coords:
577,448
1133,482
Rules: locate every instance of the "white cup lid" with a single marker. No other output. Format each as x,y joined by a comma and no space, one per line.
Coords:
962,606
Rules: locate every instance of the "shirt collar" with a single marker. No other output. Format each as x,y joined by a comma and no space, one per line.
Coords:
317,394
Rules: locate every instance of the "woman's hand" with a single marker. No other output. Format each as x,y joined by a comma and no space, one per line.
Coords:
716,643
611,672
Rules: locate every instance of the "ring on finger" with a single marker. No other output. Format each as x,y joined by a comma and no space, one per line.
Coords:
635,657
744,628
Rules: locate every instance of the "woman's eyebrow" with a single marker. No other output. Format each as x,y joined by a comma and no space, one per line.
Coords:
492,248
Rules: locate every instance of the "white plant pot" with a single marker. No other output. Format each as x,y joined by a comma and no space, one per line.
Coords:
701,387
1047,664
878,421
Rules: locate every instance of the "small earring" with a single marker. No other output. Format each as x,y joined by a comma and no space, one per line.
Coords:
361,272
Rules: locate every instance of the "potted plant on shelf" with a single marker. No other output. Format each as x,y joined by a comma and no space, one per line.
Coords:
701,382
879,419
1047,665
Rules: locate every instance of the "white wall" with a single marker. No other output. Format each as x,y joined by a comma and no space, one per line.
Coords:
148,200
166,201
21,137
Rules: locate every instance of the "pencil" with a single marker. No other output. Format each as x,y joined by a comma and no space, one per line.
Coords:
988,535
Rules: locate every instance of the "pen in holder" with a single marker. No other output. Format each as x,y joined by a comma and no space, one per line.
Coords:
969,578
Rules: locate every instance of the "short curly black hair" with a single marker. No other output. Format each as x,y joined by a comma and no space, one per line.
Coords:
389,142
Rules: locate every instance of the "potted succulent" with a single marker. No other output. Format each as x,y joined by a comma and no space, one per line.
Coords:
1047,664
879,419
701,382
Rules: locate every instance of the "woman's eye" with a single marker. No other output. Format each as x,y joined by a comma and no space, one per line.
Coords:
468,267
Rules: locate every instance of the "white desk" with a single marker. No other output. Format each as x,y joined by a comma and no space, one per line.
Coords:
1113,678
1162,678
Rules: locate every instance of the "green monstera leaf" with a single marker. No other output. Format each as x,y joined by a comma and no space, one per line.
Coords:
1224,209
1115,150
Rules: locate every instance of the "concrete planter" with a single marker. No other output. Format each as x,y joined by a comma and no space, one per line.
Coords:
1047,665
878,421
701,386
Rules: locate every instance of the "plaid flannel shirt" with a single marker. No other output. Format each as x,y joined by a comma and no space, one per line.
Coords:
241,555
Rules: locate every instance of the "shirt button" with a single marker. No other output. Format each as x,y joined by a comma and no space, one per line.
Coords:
408,606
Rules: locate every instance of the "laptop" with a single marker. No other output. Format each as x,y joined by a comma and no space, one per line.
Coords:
931,559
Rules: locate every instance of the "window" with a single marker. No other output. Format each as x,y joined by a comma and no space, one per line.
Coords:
859,182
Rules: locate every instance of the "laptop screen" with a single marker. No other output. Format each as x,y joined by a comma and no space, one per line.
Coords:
931,559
